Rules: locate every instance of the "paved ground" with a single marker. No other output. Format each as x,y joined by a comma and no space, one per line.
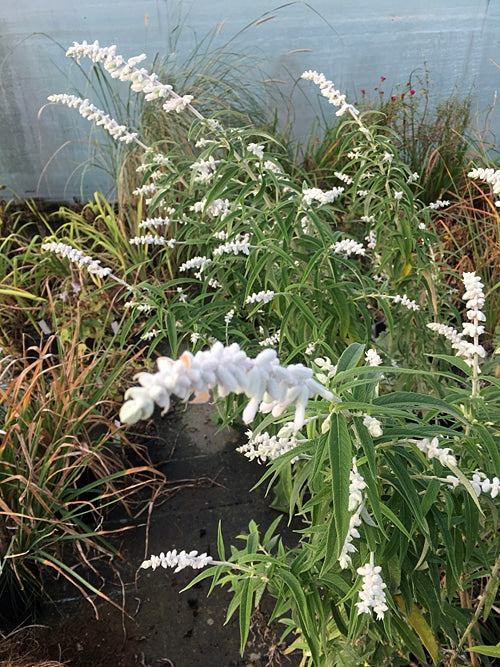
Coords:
168,628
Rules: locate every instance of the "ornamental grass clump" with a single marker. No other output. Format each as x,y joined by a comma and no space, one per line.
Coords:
373,443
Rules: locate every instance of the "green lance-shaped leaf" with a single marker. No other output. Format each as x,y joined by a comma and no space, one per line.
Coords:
340,455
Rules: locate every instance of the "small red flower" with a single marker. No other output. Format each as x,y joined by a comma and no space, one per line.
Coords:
363,91
380,92
412,92
402,96
382,78
393,99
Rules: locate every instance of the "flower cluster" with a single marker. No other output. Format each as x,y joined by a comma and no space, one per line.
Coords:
372,357
373,425
157,222
195,263
356,502
348,247
440,203
329,91
265,447
317,194
256,149
124,70
152,239
240,244
490,176
271,340
372,593
264,296
405,301
480,483
270,387
177,104
432,450
474,301
78,257
219,207
204,169
91,112
178,560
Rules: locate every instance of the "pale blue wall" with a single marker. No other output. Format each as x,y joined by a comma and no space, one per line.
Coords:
353,43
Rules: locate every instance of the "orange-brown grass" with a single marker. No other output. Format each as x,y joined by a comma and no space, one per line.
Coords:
469,231
63,465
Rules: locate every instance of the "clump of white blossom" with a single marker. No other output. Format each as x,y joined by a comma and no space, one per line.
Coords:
373,425
356,502
265,447
271,340
256,149
152,239
264,296
405,301
77,257
240,244
329,91
204,170
141,81
322,196
178,560
372,357
348,247
490,176
86,109
474,299
372,593
432,450
270,387
440,203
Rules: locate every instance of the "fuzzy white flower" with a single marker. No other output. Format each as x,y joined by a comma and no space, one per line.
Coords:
372,358
265,447
490,176
204,169
440,203
373,425
158,221
344,177
406,302
348,247
148,189
229,316
271,341
469,351
178,104
352,534
240,244
256,149
270,387
264,296
92,113
372,593
152,239
195,263
77,257
329,91
432,450
177,560
323,197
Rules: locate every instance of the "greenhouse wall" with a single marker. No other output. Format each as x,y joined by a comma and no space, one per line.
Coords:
49,152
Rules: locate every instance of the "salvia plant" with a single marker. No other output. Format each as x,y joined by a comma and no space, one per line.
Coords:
387,464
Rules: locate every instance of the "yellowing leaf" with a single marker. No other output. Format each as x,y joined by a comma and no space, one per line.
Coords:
421,627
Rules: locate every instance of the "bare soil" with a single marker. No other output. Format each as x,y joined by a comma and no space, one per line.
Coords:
163,626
